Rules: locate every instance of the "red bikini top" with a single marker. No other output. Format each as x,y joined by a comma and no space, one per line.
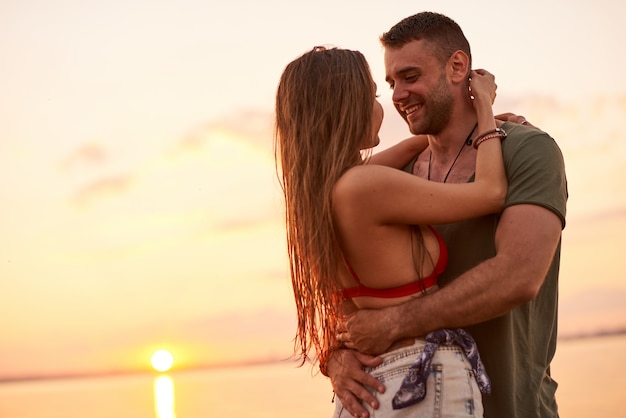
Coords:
406,289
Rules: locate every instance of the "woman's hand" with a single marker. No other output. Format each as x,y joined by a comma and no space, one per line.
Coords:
482,86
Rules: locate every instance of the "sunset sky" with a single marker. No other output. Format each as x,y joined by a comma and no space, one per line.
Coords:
140,206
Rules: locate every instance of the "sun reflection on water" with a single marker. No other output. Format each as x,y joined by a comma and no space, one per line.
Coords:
164,400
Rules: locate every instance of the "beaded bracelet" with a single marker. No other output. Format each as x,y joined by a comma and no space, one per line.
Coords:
494,133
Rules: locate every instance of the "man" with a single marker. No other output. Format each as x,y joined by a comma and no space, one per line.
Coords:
502,276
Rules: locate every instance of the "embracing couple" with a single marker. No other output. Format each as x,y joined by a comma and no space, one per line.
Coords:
425,276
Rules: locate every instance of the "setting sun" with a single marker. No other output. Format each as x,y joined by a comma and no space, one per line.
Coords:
162,360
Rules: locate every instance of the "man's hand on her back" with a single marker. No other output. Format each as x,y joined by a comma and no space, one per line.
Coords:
369,331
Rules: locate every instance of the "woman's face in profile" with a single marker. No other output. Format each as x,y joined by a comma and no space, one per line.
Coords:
377,121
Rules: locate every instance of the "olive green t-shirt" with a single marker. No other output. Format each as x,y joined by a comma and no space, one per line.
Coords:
517,348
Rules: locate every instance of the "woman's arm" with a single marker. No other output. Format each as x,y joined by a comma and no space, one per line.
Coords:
489,162
395,197
399,155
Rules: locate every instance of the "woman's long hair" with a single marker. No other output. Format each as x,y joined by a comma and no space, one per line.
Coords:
324,108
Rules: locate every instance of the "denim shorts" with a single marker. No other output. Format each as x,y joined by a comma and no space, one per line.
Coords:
452,390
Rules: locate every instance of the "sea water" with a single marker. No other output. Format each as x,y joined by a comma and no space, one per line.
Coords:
591,375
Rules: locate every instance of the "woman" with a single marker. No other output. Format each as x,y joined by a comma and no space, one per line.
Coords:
357,229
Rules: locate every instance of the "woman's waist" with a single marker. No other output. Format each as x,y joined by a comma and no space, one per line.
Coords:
415,345
402,343
403,353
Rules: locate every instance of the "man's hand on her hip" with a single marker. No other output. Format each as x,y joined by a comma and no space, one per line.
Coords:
349,381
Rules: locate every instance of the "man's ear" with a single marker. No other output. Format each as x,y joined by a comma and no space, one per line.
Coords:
458,67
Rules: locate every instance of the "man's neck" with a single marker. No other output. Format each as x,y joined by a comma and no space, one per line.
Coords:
447,157
446,144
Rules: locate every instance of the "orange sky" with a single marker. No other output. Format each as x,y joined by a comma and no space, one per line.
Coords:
140,207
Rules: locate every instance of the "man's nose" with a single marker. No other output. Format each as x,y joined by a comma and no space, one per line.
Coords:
399,94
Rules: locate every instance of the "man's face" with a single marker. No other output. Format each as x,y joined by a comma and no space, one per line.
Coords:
421,93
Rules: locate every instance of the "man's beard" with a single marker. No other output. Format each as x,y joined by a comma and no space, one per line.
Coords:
440,104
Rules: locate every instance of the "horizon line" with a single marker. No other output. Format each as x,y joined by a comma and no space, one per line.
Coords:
242,363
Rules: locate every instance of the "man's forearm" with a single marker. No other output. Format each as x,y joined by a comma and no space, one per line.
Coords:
462,303
526,240
478,295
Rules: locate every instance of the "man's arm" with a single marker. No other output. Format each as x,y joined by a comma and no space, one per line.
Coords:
526,239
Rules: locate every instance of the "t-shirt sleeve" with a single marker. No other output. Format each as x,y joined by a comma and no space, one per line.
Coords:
535,170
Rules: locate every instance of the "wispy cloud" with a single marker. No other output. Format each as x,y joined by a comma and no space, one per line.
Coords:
102,188
88,154
251,126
